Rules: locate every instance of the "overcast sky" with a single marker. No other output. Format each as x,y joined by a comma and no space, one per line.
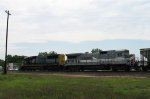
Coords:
45,25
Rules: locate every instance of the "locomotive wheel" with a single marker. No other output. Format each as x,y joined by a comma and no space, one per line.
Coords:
114,69
127,69
144,68
138,69
82,68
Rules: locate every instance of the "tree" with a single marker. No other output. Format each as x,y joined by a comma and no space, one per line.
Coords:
46,54
15,58
1,62
42,54
9,58
96,50
18,59
52,53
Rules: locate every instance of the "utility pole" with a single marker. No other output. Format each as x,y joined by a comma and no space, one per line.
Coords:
5,64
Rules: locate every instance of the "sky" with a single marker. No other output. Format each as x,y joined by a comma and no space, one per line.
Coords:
70,26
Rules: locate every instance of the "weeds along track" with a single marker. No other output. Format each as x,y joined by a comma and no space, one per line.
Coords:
134,74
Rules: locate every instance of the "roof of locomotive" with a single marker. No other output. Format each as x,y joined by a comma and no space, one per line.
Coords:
74,54
118,50
53,55
144,49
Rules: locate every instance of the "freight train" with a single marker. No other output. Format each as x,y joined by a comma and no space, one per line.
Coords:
104,60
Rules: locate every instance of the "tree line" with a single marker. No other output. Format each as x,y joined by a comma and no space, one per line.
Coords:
96,50
47,53
12,59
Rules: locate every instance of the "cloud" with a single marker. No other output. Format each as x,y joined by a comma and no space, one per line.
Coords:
74,37
75,21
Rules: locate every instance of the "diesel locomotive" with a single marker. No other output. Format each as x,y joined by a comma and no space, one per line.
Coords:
50,62
104,60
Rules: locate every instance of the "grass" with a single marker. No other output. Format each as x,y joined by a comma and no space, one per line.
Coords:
21,86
